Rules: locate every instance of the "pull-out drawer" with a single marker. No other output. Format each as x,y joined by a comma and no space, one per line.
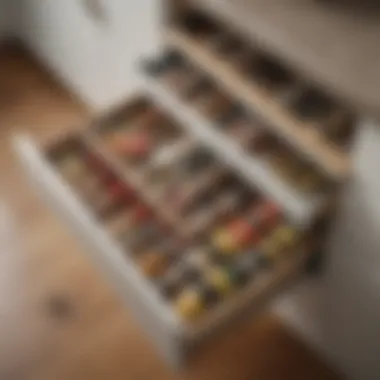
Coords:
174,333
240,140
315,125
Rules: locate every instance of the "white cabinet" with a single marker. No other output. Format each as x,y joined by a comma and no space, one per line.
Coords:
94,57
339,312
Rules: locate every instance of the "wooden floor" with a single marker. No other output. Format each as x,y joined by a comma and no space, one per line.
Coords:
58,317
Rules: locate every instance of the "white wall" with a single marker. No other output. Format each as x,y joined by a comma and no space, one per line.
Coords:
96,59
339,313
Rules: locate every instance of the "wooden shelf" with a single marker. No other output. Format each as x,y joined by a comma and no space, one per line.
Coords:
332,160
301,208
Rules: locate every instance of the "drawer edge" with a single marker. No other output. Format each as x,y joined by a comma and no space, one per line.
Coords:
102,249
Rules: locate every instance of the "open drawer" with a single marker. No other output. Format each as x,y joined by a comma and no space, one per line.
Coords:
239,140
175,335
316,126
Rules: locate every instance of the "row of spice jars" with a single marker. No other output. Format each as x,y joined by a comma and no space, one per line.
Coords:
319,112
250,238
233,120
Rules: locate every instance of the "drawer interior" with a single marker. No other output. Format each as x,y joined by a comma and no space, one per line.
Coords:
223,242
303,101
231,118
317,126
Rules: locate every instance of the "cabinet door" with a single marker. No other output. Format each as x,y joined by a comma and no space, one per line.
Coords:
92,45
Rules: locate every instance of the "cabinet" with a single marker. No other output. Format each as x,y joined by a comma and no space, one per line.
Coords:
93,56
227,156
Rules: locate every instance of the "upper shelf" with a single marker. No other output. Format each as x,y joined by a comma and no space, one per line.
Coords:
329,158
331,42
301,208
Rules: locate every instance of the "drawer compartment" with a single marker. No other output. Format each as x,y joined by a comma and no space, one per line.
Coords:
237,137
134,187
312,123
